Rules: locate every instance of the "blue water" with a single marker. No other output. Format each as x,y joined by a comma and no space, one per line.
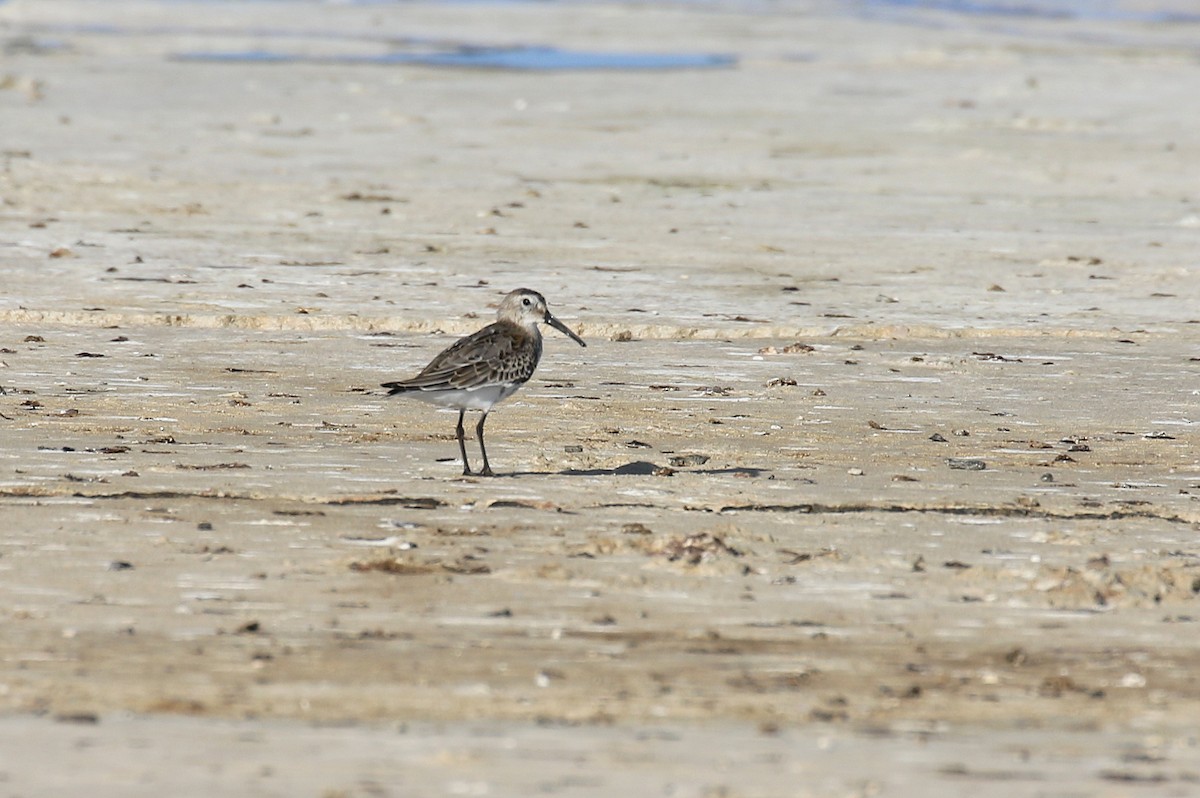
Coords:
416,50
1105,10
401,50
537,58
1162,11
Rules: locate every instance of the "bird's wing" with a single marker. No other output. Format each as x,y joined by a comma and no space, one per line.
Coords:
482,358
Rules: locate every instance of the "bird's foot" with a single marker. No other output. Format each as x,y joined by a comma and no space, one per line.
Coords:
486,472
467,472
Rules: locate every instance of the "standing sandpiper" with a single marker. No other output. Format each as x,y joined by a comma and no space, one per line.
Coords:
478,371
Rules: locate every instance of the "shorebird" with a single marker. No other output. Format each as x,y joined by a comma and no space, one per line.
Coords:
486,367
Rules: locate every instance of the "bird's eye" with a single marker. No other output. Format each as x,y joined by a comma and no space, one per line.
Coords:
526,302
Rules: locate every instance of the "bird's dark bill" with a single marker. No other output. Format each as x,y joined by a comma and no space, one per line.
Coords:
564,329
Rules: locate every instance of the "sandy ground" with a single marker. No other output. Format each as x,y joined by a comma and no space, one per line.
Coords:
879,475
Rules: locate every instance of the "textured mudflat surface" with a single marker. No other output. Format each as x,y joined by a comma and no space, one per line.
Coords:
878,475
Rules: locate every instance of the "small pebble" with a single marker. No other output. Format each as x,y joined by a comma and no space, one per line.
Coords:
685,460
87,718
855,472
965,464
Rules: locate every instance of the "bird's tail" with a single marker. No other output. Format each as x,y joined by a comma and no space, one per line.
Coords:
396,387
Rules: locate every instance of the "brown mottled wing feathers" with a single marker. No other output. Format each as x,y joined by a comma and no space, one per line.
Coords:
501,352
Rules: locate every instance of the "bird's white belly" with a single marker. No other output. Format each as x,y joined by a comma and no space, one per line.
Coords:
481,398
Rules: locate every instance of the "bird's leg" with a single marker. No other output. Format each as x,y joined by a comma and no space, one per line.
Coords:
462,446
487,469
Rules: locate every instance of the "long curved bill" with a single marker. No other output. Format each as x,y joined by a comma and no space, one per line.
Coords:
564,329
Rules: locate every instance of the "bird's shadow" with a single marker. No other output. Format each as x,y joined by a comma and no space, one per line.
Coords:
644,468
638,468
